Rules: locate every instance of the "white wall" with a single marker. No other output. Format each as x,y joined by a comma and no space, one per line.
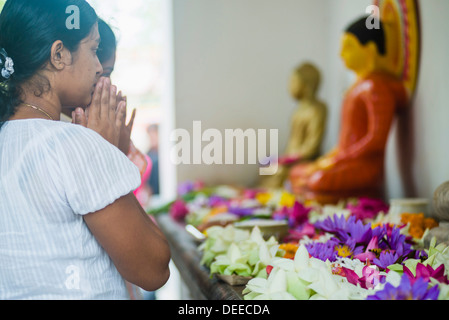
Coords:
233,59
428,131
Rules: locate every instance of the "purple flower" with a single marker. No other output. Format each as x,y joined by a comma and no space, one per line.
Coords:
346,229
217,201
323,251
241,211
380,232
407,291
361,233
336,225
396,242
185,188
386,259
281,214
421,254
352,245
332,224
189,186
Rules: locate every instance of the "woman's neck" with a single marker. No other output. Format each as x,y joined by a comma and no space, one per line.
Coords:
46,106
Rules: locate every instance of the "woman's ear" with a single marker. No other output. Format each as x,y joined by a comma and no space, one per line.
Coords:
60,56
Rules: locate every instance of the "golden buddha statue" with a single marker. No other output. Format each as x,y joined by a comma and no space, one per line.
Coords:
355,167
307,124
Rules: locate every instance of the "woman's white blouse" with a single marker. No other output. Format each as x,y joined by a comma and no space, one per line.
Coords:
51,174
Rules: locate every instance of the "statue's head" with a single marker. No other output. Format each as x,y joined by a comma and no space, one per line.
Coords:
305,81
362,48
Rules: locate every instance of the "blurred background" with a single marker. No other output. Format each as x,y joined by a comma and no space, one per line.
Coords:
142,69
227,64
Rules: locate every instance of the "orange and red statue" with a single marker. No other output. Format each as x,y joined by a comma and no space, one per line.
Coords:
355,167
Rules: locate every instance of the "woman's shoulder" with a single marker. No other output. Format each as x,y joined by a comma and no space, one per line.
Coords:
39,130
76,137
62,135
57,138
65,132
44,125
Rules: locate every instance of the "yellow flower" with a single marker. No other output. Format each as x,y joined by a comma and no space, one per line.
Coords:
343,251
263,197
380,224
287,200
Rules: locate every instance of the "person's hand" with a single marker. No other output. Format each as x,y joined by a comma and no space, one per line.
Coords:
104,115
125,130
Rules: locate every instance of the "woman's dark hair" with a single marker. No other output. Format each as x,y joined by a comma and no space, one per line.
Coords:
108,44
28,29
365,35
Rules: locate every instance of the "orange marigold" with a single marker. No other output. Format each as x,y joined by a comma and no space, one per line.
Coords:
290,250
418,223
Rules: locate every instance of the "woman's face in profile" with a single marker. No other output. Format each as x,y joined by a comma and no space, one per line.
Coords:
84,72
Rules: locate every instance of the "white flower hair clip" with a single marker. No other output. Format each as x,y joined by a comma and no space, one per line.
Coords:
7,65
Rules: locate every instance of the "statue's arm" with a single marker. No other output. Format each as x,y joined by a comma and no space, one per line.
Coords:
380,106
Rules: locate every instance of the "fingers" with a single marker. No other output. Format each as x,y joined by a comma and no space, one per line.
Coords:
107,112
112,102
120,97
79,117
126,109
95,106
121,114
131,121
105,97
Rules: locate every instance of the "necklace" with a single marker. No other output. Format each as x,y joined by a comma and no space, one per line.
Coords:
39,109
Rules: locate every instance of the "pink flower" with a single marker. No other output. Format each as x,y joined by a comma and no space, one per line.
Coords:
369,279
350,275
368,254
250,193
307,229
296,216
178,210
427,272
367,208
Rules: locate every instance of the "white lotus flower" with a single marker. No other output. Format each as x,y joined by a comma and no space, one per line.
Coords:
273,288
